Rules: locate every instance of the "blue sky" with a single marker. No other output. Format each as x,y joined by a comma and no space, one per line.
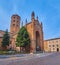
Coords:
48,12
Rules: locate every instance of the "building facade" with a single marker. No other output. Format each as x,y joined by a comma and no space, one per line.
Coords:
52,45
35,31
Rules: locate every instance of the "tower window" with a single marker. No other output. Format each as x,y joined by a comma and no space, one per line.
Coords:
13,24
13,20
14,17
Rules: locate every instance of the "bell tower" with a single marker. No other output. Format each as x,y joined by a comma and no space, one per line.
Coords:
15,23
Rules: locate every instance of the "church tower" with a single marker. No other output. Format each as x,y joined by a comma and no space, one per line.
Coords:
15,24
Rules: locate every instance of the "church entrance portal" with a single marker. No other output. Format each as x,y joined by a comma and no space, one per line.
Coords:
38,48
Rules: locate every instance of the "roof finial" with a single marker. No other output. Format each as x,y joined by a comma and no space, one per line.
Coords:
37,18
22,23
26,20
33,15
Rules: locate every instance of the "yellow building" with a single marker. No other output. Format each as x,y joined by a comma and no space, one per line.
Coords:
52,45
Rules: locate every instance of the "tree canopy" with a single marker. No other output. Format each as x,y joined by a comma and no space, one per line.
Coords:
23,39
6,39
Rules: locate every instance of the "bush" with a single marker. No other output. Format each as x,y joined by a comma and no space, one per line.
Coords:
6,52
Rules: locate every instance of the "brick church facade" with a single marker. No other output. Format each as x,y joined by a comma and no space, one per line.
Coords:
34,29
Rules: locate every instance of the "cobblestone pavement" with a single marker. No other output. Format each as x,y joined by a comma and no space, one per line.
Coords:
38,59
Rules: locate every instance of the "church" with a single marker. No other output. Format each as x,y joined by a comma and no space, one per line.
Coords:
34,29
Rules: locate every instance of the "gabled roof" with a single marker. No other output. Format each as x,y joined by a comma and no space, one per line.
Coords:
2,31
28,23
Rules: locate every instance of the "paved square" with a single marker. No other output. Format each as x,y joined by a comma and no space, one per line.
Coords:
36,59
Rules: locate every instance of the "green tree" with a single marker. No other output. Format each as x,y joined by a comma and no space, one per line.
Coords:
23,39
5,40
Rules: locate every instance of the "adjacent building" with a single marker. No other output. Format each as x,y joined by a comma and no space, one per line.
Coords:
52,45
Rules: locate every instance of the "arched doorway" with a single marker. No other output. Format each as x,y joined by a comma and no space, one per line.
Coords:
38,48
